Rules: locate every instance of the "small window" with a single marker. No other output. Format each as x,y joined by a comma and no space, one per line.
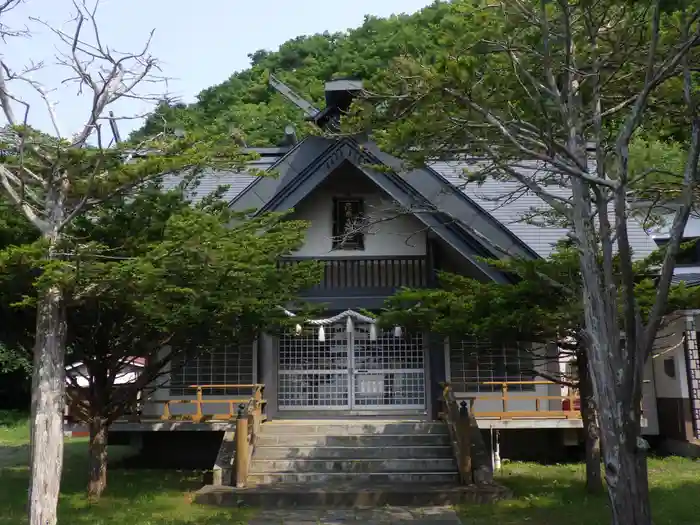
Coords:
347,224
670,367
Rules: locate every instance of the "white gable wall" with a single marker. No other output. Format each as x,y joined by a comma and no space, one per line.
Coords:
669,346
390,233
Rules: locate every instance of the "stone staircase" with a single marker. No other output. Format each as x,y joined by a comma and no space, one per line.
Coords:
356,463
357,451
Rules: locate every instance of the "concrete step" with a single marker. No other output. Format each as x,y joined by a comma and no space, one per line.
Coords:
267,478
349,452
369,466
350,494
345,428
378,440
341,494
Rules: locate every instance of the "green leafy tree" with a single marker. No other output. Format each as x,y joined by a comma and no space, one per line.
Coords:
17,328
244,102
154,271
543,306
552,96
189,281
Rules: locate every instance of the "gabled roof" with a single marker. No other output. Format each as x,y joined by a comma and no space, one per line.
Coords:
511,213
236,181
458,221
481,215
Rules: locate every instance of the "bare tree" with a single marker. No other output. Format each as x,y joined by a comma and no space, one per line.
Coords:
52,178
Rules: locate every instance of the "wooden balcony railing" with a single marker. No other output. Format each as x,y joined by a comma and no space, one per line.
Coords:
558,407
200,402
355,273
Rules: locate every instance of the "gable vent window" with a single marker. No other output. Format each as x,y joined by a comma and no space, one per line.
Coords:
347,224
670,367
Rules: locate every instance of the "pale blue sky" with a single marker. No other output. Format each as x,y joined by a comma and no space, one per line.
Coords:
199,43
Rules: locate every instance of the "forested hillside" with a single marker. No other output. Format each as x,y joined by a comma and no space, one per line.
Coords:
246,105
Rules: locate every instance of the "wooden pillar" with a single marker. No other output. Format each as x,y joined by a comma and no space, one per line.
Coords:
242,454
199,414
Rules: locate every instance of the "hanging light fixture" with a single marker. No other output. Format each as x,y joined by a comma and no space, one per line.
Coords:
398,332
298,329
321,334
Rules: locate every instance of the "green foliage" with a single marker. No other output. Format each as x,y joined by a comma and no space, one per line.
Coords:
417,66
244,102
492,65
542,306
155,269
657,166
16,329
13,359
84,176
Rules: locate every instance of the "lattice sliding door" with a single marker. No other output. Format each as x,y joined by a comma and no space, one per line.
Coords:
350,371
388,373
314,374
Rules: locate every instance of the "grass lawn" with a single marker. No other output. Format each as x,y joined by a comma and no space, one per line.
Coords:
133,497
544,495
555,495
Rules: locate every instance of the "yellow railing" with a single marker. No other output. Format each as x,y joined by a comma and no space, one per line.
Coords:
200,402
250,417
567,407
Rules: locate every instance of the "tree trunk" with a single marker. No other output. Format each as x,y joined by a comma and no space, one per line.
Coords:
623,449
591,432
619,421
98,457
628,485
48,392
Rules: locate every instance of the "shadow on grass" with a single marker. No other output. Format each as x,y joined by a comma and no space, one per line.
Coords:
556,495
132,496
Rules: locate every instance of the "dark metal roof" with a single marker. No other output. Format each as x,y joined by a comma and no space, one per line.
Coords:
476,207
690,279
